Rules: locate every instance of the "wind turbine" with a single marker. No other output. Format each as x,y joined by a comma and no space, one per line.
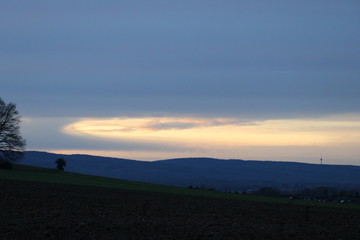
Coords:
321,159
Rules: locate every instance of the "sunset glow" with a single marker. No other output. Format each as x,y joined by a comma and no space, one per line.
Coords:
136,79
220,133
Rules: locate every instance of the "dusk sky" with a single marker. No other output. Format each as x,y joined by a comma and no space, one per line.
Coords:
149,80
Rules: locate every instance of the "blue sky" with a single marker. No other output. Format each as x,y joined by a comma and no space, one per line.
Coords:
185,62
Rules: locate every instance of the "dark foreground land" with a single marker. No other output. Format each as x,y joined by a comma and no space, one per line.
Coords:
54,211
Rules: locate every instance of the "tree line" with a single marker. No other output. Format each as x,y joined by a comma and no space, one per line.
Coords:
328,194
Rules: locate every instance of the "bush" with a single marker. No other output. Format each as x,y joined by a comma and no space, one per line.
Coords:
60,164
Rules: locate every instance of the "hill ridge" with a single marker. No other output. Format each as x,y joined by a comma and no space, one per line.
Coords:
222,174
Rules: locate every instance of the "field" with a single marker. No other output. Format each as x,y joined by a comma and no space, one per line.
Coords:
43,204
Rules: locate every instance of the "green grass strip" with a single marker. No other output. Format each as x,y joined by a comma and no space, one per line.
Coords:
35,174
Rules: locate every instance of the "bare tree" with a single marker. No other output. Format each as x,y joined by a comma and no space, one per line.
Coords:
12,145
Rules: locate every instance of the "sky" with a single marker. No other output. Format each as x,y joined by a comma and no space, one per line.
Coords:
149,80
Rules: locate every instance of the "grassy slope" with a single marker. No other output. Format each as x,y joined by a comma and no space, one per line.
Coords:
36,174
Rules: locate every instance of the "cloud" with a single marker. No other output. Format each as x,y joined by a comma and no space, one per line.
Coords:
158,125
219,133
187,123
48,134
281,139
232,59
147,125
226,66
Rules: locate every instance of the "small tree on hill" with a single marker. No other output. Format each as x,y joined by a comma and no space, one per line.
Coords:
60,164
12,145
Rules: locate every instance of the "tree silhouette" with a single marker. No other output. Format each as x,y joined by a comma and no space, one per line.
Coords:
12,145
60,164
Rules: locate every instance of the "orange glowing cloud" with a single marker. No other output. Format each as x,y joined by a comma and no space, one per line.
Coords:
220,133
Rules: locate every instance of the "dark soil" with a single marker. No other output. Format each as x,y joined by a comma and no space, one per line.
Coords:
52,211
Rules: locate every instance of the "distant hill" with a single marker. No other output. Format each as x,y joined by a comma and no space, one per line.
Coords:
230,175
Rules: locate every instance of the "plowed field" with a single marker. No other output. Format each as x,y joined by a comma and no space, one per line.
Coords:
54,211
